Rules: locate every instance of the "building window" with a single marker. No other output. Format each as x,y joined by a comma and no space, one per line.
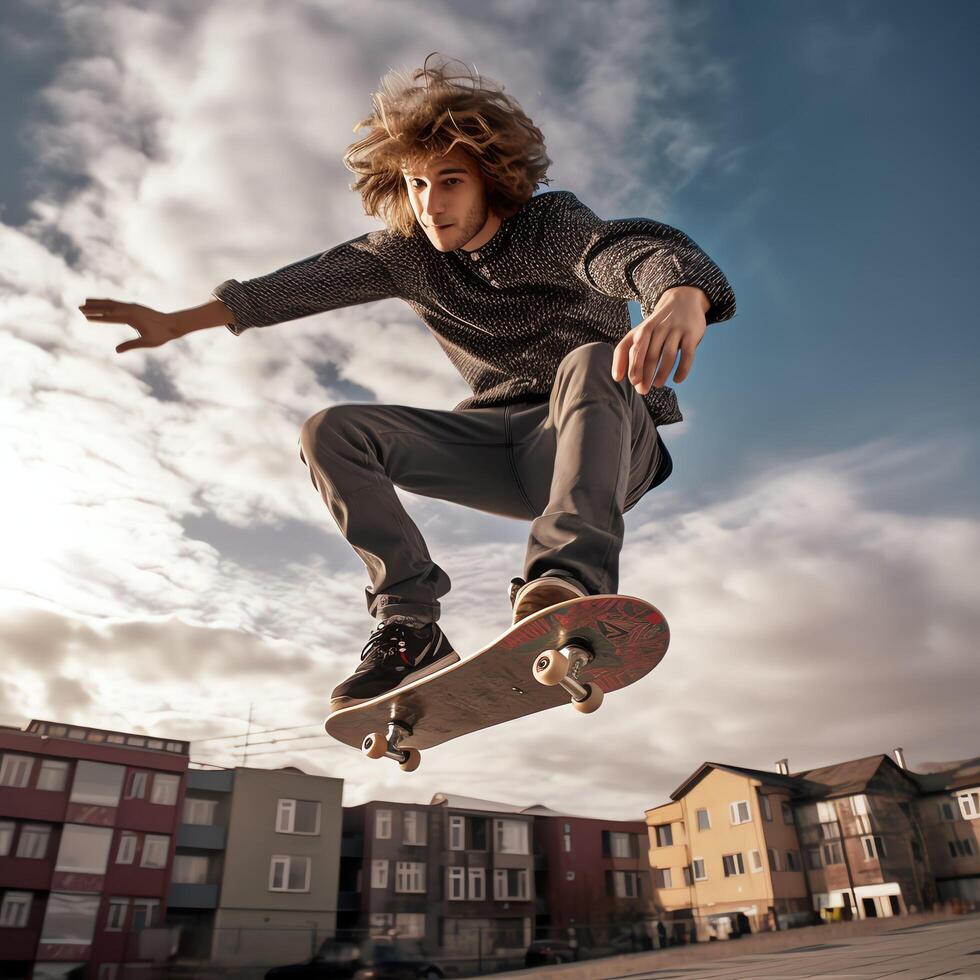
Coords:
792,861
697,866
6,836
190,869
97,783
664,836
755,861
688,877
15,770
946,811
511,836
108,971
379,874
145,913
826,812
33,841
410,925
137,786
457,884
199,812
787,813
765,807
961,847
382,924
298,817
733,864
84,849
155,849
773,859
567,838
626,884
70,918
510,884
620,844
165,788
457,834
970,804
478,884
661,878
289,873
414,827
410,877
813,858
478,833
569,876
15,909
874,847
704,819
740,812
53,775
382,824
115,920
832,853
127,848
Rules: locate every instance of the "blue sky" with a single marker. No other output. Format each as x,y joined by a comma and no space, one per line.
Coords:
821,520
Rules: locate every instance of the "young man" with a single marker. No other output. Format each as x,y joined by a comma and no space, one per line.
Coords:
528,297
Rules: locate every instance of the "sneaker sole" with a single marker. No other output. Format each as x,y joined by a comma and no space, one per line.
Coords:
347,702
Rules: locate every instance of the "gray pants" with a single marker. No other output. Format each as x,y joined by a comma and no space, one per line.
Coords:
571,464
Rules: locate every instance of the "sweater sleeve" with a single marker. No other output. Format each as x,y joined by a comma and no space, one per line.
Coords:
638,258
346,275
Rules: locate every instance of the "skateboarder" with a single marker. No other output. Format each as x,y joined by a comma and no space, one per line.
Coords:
527,295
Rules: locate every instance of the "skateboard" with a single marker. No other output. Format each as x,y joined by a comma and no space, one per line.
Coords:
573,652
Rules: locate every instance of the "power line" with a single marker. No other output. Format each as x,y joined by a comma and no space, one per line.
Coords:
262,731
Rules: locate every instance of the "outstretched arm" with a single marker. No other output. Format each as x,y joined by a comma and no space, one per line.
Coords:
153,327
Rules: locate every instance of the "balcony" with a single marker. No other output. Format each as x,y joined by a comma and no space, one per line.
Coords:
188,896
204,837
214,780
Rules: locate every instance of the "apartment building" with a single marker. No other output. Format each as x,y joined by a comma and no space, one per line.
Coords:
859,839
455,876
591,872
113,851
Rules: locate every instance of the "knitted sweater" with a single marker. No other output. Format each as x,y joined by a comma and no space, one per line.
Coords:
553,277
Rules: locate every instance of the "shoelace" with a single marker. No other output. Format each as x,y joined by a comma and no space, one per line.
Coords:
387,639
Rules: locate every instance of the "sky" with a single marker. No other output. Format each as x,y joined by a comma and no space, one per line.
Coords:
167,566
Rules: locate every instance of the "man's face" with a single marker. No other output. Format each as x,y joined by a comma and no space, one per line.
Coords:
449,198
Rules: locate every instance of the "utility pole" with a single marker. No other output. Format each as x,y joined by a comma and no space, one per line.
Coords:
247,732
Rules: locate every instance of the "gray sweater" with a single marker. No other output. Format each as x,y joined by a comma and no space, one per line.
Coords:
553,277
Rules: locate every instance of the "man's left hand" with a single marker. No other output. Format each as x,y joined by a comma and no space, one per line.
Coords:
677,323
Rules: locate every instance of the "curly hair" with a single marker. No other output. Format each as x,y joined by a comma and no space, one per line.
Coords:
413,122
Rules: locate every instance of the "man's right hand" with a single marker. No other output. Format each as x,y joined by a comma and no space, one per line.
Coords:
154,328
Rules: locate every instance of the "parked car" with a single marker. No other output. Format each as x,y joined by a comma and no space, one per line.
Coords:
370,960
548,952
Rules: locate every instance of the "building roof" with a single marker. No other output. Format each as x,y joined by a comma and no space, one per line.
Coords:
454,802
774,778
940,776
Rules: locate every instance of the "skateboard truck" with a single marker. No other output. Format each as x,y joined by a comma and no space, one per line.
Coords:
563,667
380,745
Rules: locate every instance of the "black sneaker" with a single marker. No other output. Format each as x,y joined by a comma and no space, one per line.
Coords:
394,655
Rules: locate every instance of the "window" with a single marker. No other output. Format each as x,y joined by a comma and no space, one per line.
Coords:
379,874
410,925
661,878
382,923
6,836
830,830
33,841
792,861
697,865
704,819
15,909
620,845
145,913
137,786
826,812
755,861
116,917
946,811
510,884
155,849
382,824
457,884
733,864
53,775
740,812
510,836
569,876
97,783
108,971
626,884
665,837
190,869
832,853
298,817
969,804
787,813
765,807
478,884
773,859
127,848
70,918
567,838
961,847
289,873
84,849
15,770
165,788
457,833
199,812
410,877
874,847
414,827
478,833
813,858
688,877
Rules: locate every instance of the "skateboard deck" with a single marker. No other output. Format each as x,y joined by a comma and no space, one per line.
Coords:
573,652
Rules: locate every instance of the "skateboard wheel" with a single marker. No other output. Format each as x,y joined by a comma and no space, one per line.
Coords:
413,760
550,668
591,701
374,745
